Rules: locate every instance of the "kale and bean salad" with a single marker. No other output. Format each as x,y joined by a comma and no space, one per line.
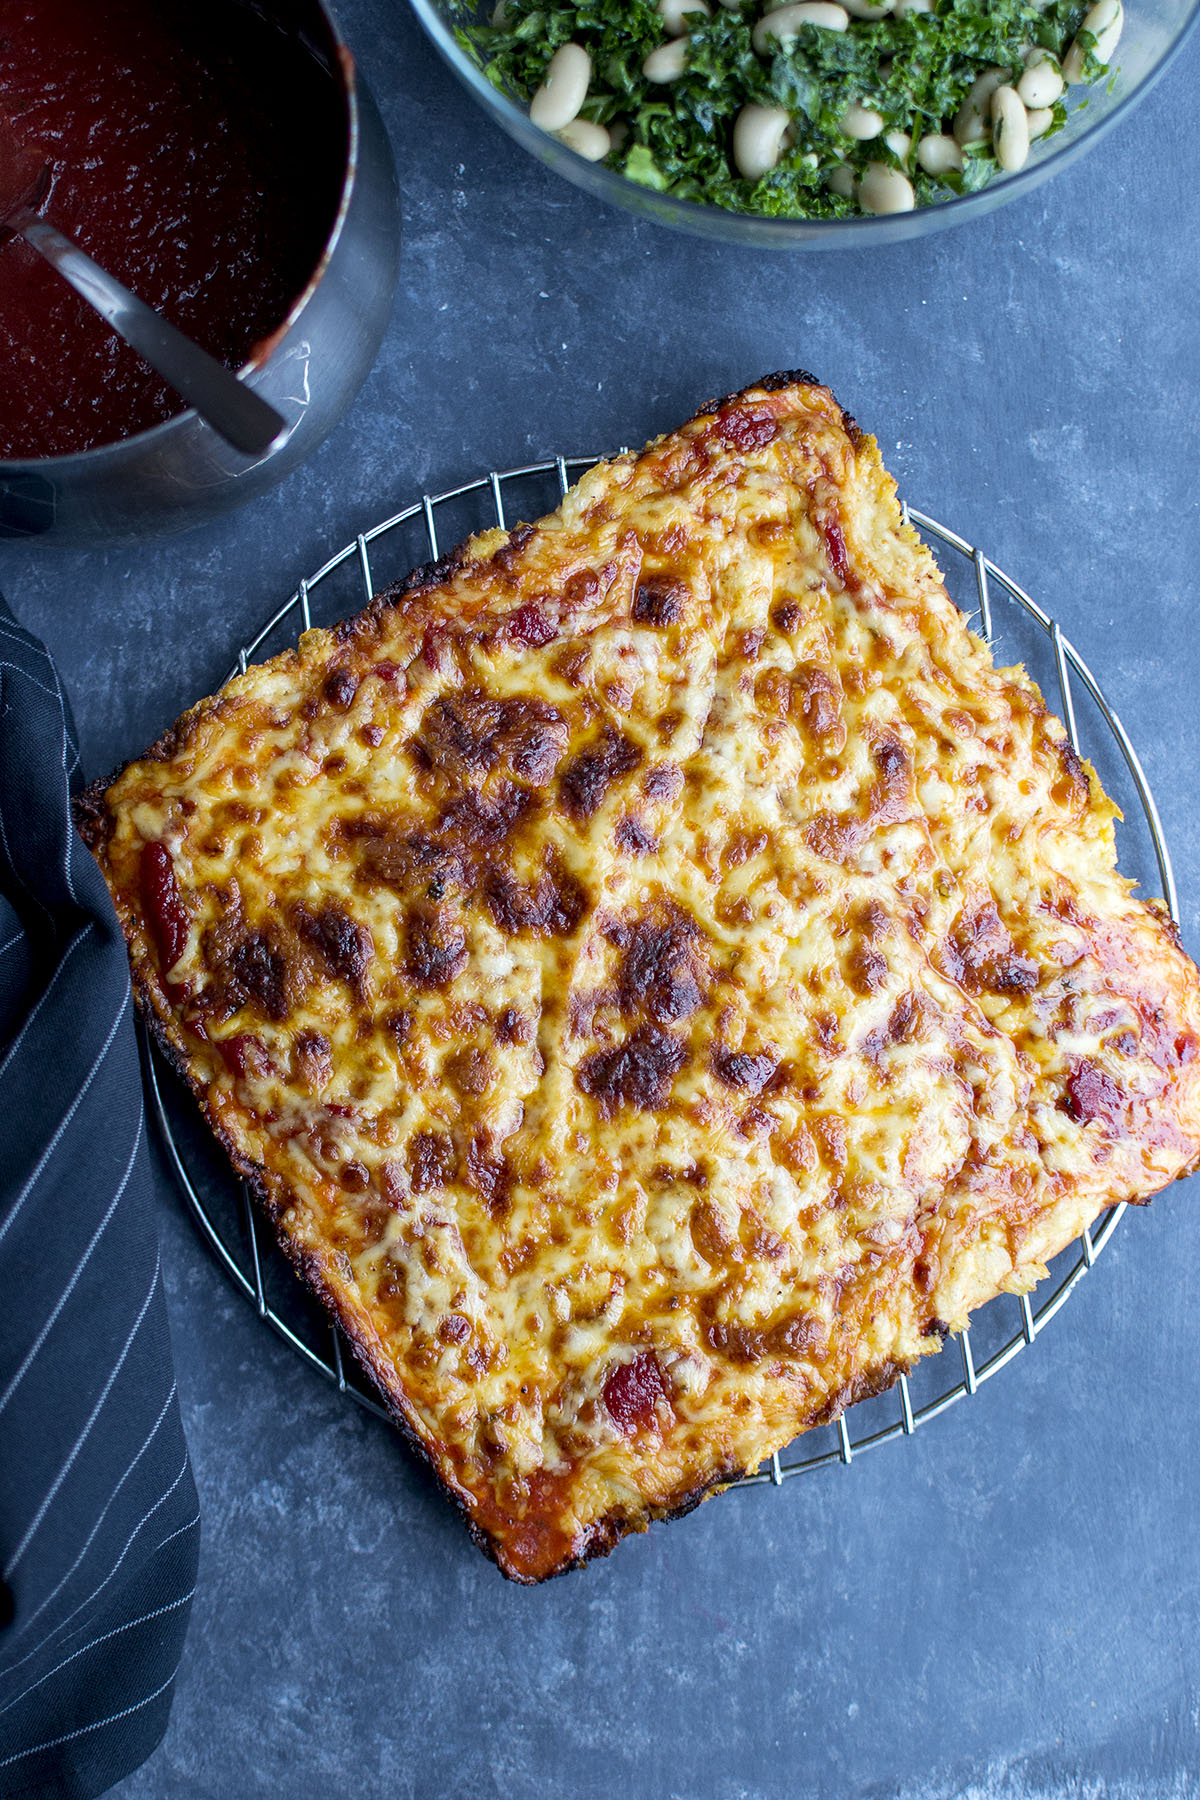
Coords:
810,109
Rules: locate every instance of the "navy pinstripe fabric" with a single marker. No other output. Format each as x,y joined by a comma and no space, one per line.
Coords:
98,1518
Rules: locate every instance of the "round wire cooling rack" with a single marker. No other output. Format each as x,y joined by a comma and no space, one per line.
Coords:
222,1207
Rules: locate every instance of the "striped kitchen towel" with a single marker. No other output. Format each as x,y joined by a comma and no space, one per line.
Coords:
98,1517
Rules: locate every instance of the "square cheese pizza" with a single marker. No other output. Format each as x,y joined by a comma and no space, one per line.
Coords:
656,973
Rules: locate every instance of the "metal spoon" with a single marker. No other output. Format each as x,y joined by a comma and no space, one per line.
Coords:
227,404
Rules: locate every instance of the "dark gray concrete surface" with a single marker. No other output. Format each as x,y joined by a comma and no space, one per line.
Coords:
1006,1607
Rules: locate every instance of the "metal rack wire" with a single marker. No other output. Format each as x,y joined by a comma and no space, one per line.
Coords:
223,1209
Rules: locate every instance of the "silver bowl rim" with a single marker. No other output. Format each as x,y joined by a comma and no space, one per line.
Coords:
127,448
718,223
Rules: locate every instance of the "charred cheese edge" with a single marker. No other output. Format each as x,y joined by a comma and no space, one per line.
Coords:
657,973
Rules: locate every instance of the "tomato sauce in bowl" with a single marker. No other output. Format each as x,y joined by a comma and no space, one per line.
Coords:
198,153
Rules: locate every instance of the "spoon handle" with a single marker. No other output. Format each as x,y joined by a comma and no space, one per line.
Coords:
243,419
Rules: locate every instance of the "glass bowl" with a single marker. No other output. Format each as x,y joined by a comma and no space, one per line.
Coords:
1154,30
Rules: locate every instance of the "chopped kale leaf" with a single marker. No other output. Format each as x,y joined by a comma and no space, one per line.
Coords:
915,70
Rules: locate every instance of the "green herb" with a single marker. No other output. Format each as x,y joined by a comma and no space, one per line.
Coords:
915,70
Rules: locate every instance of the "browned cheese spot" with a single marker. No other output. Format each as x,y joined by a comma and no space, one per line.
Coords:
663,782
479,822
488,1173
980,955
257,971
471,1071
835,837
866,969
396,858
1072,790
586,780
341,685
399,1024
820,694
343,946
742,846
830,1134
431,1160
512,1027
711,1232
313,1055
889,795
798,1335
509,555
904,1026
470,735
659,601
740,1069
552,906
435,946
633,838
659,972
638,1073
874,921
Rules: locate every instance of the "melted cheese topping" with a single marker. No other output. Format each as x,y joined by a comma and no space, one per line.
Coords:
659,973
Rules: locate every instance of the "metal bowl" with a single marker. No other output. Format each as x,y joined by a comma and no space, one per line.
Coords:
181,473
1154,31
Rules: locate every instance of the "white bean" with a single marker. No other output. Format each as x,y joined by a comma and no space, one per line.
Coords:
841,181
970,122
1010,129
899,143
885,190
861,122
758,134
1105,22
1109,21
868,9
499,12
564,88
618,134
674,14
785,21
1042,82
903,7
938,154
668,62
590,141
1041,118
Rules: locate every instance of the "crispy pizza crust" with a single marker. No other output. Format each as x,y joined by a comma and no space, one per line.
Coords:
656,973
